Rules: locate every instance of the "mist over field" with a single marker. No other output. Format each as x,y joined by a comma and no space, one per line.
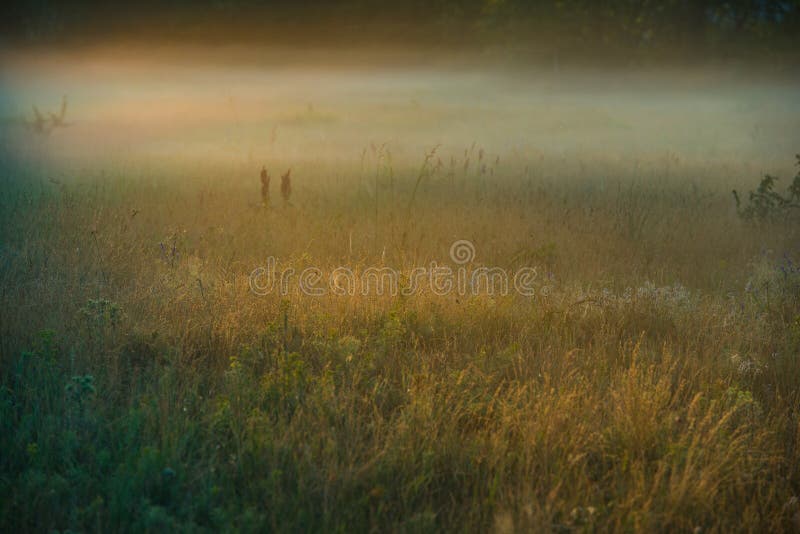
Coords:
361,266
183,107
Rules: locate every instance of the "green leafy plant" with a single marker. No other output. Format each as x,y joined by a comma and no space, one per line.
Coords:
101,312
767,204
80,389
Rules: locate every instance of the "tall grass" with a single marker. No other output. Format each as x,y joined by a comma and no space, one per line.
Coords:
144,387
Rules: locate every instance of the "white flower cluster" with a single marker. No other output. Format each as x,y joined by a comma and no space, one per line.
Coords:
674,297
746,366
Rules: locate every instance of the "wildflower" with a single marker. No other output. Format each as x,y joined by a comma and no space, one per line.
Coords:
264,186
286,186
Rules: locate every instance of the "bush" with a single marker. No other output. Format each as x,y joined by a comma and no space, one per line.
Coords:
766,204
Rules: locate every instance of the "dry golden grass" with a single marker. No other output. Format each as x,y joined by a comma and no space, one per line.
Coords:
672,406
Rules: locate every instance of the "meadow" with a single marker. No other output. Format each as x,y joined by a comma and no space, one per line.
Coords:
651,386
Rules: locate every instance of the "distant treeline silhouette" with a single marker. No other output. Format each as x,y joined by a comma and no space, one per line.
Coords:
682,27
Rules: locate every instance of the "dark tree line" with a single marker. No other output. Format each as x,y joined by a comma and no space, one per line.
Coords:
565,26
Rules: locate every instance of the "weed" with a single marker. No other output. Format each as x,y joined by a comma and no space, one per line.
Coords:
766,204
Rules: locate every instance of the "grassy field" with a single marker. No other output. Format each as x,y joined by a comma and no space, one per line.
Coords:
651,383
144,386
